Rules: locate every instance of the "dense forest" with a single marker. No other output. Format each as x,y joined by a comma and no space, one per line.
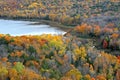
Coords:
68,12
54,57
88,51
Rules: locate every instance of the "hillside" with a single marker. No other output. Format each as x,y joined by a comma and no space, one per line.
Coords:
68,12
49,57
89,50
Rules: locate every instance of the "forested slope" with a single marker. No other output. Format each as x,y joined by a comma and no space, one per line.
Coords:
63,11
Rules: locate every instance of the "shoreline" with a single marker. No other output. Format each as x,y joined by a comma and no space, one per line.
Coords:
53,24
39,21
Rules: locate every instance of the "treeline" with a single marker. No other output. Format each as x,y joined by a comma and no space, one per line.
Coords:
66,12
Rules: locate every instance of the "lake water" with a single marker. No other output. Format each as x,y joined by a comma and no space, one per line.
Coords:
17,28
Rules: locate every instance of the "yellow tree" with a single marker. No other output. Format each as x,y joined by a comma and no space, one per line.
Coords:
13,75
52,16
80,53
3,72
74,74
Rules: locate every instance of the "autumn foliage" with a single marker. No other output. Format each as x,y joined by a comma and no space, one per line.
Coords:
55,57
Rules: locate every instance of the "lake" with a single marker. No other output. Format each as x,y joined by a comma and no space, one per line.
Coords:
18,28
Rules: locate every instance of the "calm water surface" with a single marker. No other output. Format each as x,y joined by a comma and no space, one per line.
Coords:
17,28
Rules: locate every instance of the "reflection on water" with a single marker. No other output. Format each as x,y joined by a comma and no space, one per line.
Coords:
17,28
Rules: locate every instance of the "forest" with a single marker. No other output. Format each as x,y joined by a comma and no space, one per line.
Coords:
87,51
67,12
